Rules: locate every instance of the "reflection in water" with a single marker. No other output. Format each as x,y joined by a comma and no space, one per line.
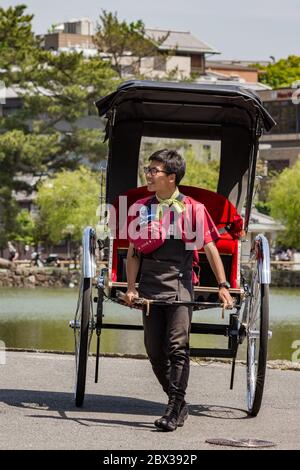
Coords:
38,319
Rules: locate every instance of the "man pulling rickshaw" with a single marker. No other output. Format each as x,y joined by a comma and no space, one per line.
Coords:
158,272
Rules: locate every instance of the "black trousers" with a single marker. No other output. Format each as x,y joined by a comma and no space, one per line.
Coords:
166,336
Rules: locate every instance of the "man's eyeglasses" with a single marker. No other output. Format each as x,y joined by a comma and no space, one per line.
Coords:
153,171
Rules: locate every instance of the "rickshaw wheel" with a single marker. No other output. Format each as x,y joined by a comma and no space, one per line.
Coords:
83,332
257,342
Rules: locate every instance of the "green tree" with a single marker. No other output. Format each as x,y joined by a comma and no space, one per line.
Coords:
58,92
17,43
282,73
25,228
67,203
199,172
120,39
284,202
202,174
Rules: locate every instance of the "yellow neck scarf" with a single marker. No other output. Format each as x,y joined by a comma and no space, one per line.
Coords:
178,205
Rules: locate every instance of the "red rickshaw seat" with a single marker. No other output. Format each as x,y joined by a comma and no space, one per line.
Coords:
220,209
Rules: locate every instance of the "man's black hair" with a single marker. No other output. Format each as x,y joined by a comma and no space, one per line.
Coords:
172,160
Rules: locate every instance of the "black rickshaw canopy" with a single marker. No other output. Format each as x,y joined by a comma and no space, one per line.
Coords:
231,114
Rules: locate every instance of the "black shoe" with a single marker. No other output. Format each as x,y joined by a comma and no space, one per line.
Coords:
171,419
170,423
183,415
159,422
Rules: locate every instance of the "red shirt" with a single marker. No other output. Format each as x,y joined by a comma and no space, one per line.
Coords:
210,231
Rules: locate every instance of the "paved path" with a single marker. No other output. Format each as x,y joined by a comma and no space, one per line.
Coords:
37,408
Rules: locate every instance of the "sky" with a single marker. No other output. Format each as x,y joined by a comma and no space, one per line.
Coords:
246,30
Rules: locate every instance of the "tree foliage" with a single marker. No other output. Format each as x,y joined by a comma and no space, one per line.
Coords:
284,202
199,170
67,203
25,228
48,132
17,42
120,39
282,73
199,173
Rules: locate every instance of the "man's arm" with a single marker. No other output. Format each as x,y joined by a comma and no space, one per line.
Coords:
132,269
216,264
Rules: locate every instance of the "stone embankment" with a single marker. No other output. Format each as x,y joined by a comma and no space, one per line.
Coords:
279,277
13,275
38,277
285,278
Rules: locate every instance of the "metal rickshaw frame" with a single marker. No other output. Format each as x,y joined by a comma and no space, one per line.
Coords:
236,117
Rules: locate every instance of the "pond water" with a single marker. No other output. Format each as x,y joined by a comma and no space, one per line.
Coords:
38,319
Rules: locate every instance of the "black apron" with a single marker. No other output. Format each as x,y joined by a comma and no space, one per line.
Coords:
166,273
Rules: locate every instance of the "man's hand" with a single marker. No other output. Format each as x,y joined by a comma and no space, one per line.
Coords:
226,298
132,268
130,295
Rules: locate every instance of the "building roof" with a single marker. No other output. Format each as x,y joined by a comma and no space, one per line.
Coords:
264,223
15,91
248,64
226,65
221,79
183,41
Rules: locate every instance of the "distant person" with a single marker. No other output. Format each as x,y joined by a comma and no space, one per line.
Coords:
26,250
284,256
36,259
13,253
76,256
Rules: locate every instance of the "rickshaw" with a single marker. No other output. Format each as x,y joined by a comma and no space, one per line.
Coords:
234,116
